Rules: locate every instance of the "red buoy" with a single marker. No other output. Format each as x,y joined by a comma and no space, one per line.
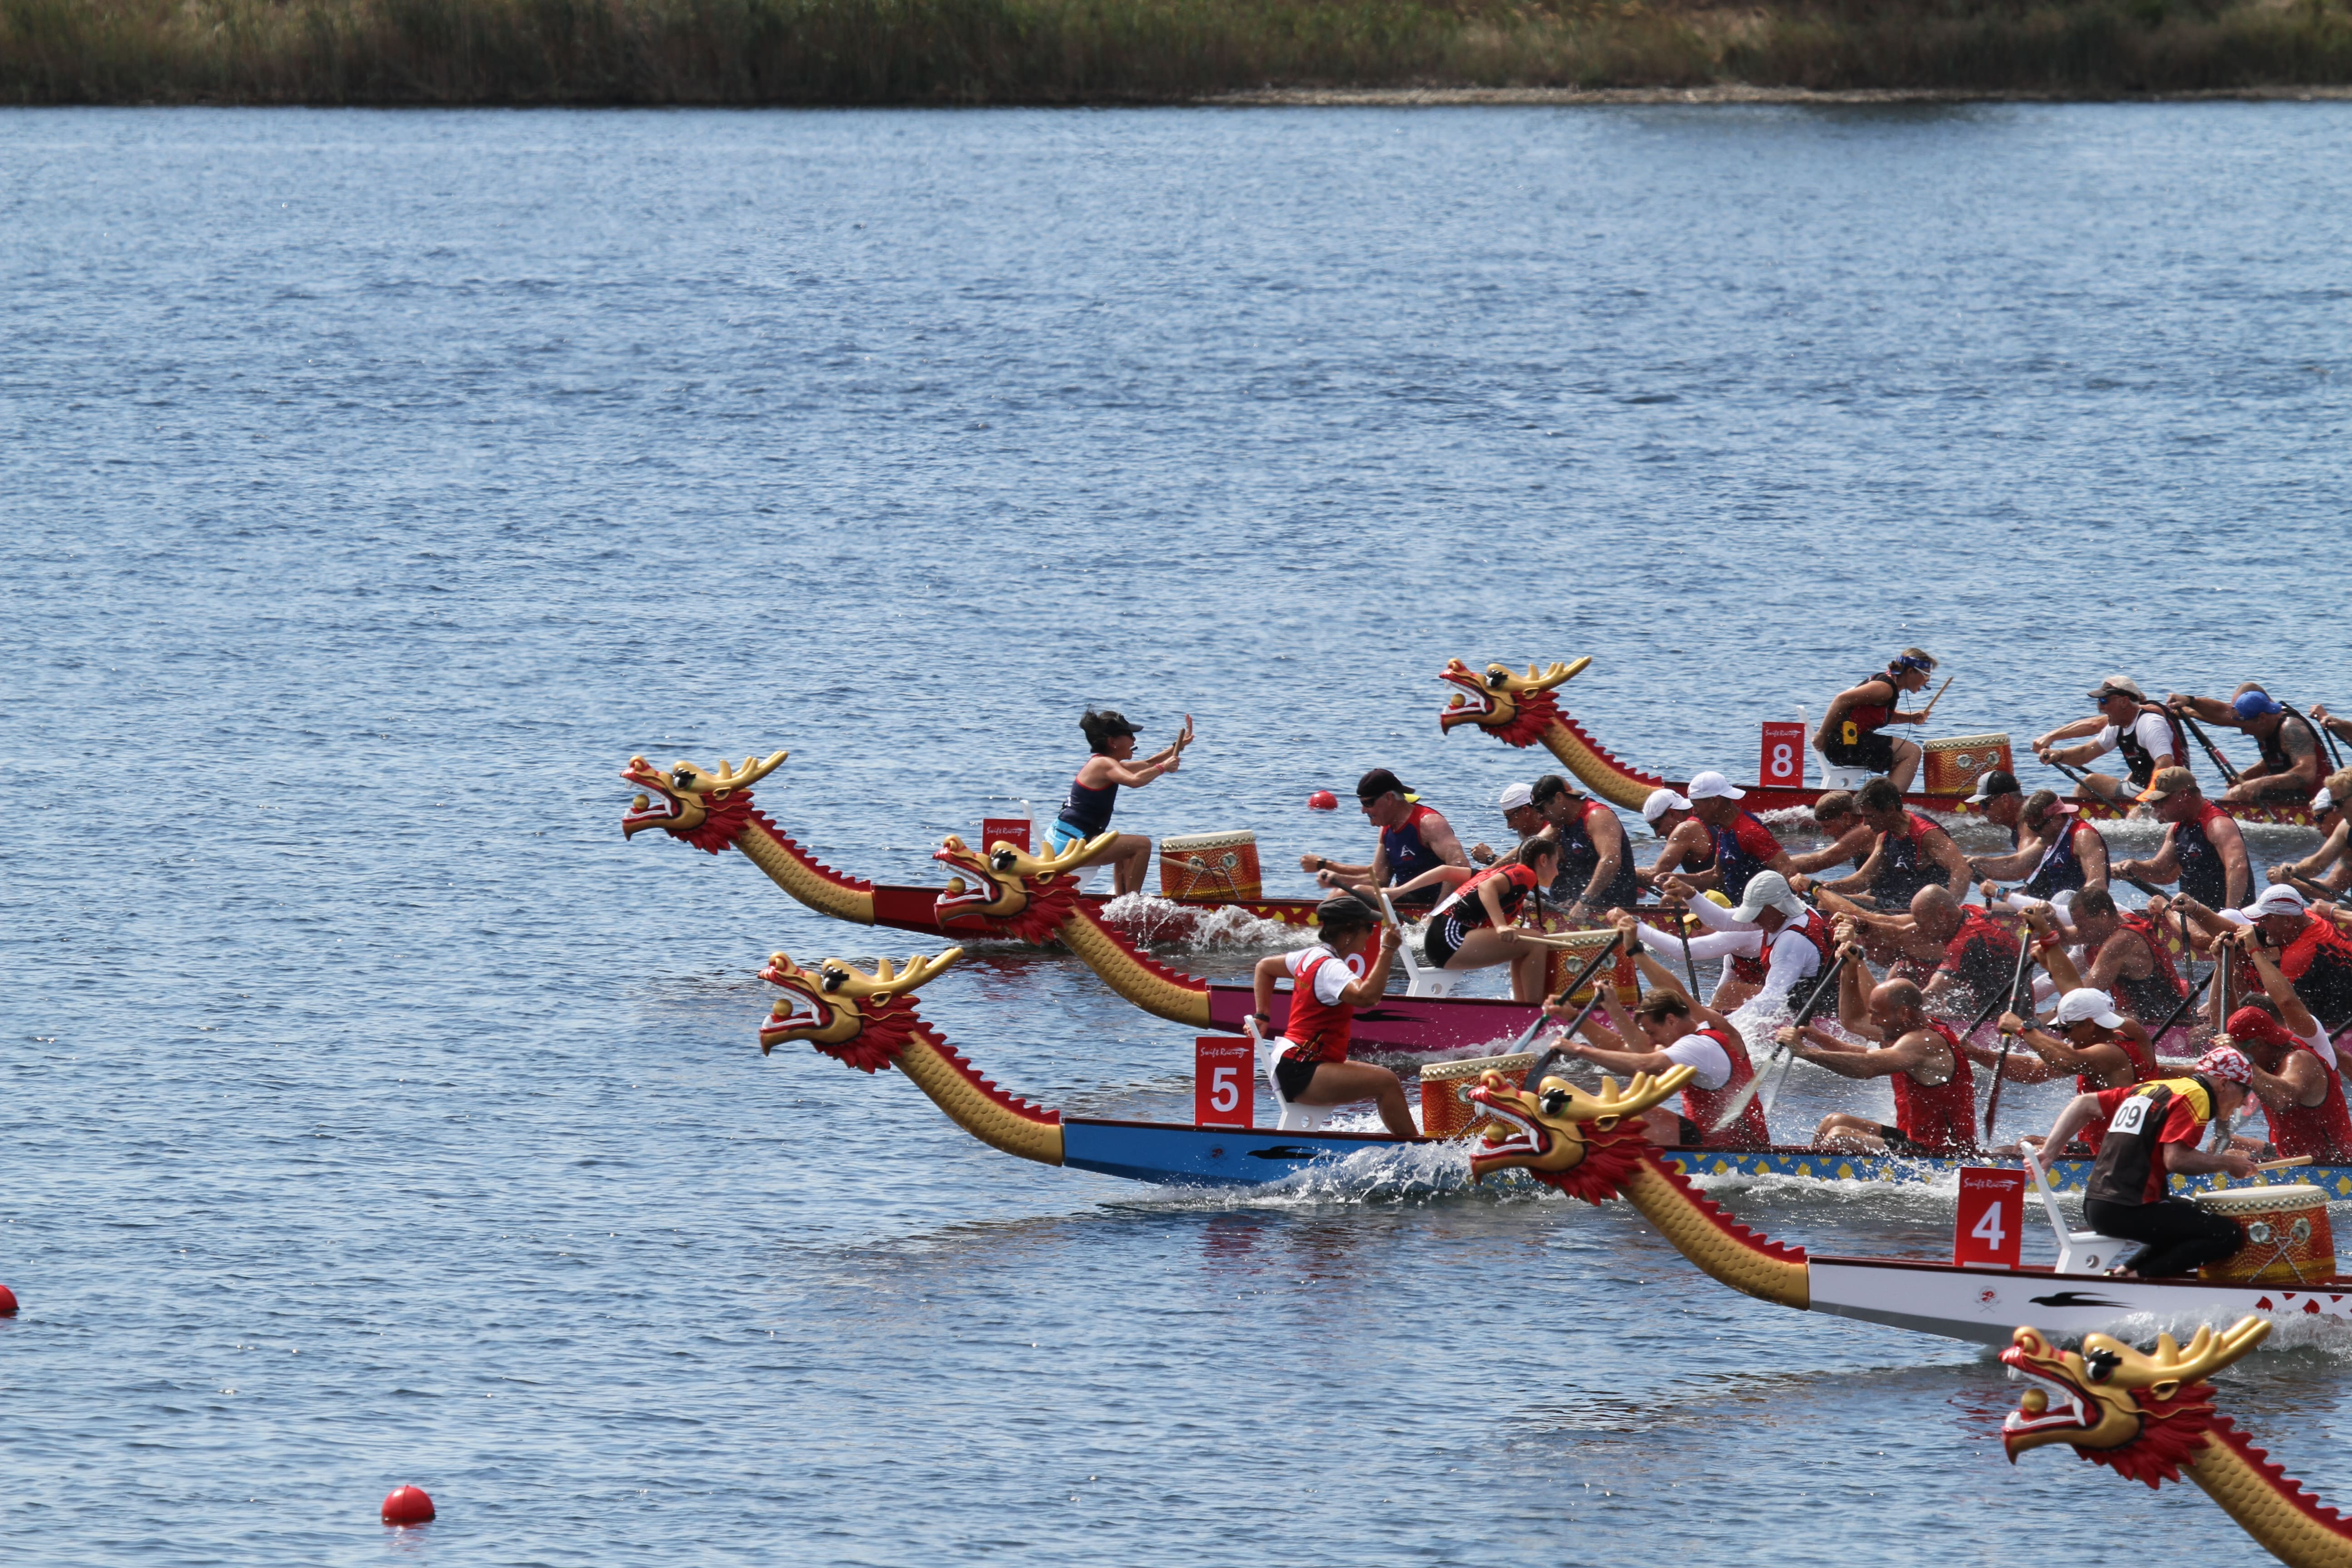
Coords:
408,1506
1322,799
7,1302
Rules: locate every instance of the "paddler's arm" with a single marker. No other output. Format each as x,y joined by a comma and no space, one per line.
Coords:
2091,854
2061,1056
1615,853
2164,866
2011,867
2239,868
1437,837
2211,709
2024,1067
2339,728
2300,1081
1607,1046
2330,852
1852,845
1375,979
1948,854
1314,865
2050,952
2206,921
1864,875
1263,975
2081,729
2292,1013
1853,983
1446,877
2079,1113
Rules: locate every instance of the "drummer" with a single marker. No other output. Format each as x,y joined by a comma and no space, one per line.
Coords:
1310,1057
1093,793
2099,1045
1415,840
1669,1029
1596,861
1472,925
1850,735
1935,1094
2154,1130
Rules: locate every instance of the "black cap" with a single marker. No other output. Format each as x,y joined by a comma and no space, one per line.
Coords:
1992,783
1345,910
1378,783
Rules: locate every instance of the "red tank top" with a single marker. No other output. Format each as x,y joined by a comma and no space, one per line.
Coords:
1868,716
2324,1131
1706,1106
1318,1029
1942,1120
1814,928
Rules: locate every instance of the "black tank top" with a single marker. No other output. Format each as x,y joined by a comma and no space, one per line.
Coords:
1580,858
1088,810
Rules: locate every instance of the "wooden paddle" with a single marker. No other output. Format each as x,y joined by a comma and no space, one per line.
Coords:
1535,1072
1804,1016
2284,1164
2008,1040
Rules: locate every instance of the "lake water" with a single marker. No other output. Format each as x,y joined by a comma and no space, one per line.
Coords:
376,484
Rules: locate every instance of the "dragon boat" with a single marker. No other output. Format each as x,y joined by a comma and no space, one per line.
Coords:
868,1021
1521,711
2150,1416
715,812
1592,1146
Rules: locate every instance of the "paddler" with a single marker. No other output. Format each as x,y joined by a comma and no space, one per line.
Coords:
1517,805
1415,840
1688,847
1596,861
1093,793
2089,1038
2328,866
1310,1057
1473,925
2146,734
1743,845
1912,852
1850,837
2125,953
2057,851
1978,957
2153,1130
1772,941
1670,1028
1935,1095
2296,1074
1852,734
2291,761
2203,850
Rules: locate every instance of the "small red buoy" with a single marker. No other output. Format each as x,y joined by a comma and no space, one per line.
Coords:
7,1302
408,1506
1322,799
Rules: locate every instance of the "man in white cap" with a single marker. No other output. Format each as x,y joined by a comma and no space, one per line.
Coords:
1743,846
2149,738
2315,956
2153,1133
2087,1038
2296,1075
1517,804
2327,866
1772,942
1686,846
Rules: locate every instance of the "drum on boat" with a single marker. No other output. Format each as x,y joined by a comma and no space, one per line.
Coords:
1210,867
2288,1238
1953,766
1565,962
1446,1108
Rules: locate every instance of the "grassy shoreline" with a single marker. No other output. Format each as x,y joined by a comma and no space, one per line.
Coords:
811,52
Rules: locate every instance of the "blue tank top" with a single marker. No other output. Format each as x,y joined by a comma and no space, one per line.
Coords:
1407,856
1738,868
1088,810
2060,871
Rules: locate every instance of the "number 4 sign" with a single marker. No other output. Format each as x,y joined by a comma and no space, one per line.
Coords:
1222,1094
1992,1224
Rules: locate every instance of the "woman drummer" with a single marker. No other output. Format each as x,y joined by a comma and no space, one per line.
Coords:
1472,927
1850,733
1095,793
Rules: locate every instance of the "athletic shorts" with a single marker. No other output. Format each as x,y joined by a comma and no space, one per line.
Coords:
1292,1076
1061,835
1688,1134
1441,940
1874,750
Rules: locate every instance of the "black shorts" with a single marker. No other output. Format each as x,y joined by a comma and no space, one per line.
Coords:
1441,940
1874,750
1292,1076
1898,1144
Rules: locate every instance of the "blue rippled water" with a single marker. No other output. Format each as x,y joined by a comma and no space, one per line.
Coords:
375,484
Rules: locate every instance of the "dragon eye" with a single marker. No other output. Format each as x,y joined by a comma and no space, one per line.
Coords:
1554,1101
1002,860
682,779
2100,1366
1495,678
832,979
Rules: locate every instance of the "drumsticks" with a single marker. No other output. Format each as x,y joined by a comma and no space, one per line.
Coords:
1938,697
2283,1164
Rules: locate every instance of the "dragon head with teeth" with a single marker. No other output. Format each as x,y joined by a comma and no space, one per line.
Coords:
1516,707
863,1019
1588,1145
2143,1415
706,809
1012,892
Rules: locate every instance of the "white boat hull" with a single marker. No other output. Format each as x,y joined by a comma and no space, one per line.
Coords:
1986,1305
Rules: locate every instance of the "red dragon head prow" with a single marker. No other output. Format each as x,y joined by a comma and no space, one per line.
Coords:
1515,708
1014,893
1588,1145
863,1019
706,809
2142,1415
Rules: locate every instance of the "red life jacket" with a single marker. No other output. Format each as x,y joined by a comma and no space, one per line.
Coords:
1814,928
2324,1131
1706,1106
1942,1120
2143,1062
1863,717
2151,1000
1318,1029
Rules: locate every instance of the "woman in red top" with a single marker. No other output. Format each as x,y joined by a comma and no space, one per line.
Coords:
1472,927
1934,1093
1852,731
1310,1061
1669,1029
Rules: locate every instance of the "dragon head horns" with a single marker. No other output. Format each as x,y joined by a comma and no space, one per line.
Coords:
691,797
2139,1413
836,1007
1583,1143
1007,878
1504,700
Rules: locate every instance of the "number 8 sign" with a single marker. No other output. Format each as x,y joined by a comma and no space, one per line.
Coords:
1222,1094
1991,1226
1784,756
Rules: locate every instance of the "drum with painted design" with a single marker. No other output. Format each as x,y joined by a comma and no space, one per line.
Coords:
2286,1237
1565,962
1446,1108
1953,766
1210,867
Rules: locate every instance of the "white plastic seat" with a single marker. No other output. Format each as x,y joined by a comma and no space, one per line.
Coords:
1436,981
1835,777
2088,1252
1292,1118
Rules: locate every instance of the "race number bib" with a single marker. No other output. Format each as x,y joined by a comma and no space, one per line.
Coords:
2131,1116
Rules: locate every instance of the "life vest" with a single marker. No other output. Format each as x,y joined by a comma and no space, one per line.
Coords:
2153,999
1735,866
1981,955
2319,962
2143,1064
1814,926
1317,1030
1865,717
1705,1107
1463,903
2061,870
1406,855
1942,1120
2274,751
1087,809
2136,757
2126,1171
1580,857
1904,866
2324,1131
2202,876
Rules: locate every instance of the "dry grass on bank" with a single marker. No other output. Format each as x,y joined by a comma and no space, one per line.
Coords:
427,52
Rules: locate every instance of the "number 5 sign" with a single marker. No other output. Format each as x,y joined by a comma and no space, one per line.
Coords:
1992,1224
1222,1094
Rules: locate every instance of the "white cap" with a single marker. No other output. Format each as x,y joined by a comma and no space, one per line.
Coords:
2089,1004
2123,684
1768,890
1712,785
2278,899
1661,802
2322,804
1517,795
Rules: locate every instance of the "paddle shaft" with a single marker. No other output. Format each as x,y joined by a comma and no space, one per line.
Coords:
1535,1070
2186,1003
2188,723
1690,964
2008,1040
1739,1107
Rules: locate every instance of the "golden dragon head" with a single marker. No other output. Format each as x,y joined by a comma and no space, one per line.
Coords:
704,808
1588,1145
1015,893
2140,1415
1516,707
863,1019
